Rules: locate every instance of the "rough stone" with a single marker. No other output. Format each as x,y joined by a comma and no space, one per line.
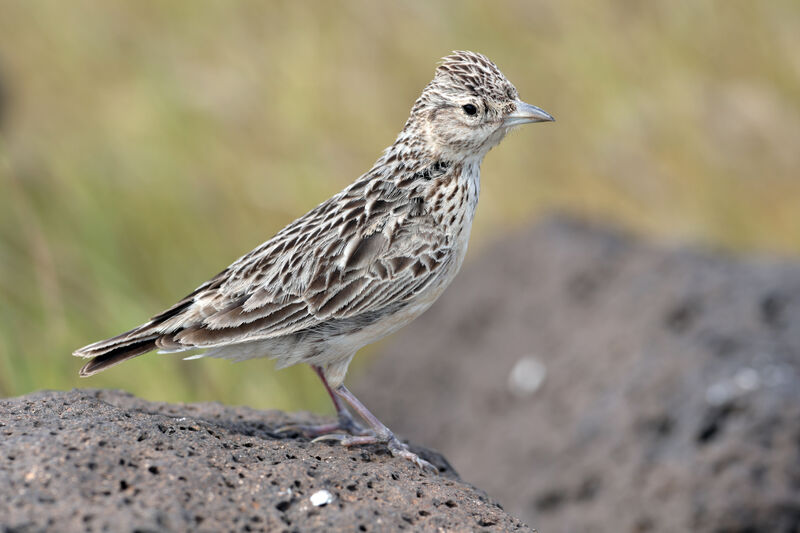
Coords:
93,460
592,382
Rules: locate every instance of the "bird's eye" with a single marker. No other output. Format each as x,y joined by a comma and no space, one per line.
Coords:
469,109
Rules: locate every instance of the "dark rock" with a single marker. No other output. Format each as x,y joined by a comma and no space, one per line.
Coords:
90,460
671,400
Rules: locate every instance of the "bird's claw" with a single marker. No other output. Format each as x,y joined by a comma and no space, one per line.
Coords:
396,448
349,440
329,436
400,449
315,431
416,459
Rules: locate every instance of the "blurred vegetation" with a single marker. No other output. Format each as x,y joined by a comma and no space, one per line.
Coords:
145,145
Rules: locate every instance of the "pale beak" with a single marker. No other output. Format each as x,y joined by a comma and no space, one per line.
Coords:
525,114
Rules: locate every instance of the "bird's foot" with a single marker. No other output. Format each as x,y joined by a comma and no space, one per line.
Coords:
400,449
396,448
344,423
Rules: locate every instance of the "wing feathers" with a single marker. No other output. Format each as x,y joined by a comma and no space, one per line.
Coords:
347,257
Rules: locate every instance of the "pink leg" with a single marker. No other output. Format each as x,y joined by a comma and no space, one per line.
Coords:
344,423
380,434
337,402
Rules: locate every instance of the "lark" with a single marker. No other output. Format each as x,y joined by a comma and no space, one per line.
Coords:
360,265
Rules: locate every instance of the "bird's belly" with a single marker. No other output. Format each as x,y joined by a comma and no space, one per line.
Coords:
354,340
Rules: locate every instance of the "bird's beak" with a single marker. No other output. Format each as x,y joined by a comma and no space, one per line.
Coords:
525,114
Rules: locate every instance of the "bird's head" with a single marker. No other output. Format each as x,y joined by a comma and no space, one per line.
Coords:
468,107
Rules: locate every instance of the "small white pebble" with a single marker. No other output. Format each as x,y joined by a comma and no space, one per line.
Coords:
527,376
321,497
747,379
719,393
743,382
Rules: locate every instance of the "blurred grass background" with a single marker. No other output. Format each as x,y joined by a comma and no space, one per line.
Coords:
145,145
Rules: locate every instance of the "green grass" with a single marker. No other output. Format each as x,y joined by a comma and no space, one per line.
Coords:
146,145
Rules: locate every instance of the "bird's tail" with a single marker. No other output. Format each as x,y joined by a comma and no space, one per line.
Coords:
145,338
107,353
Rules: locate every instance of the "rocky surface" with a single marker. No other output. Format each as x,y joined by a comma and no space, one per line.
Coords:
594,383
90,460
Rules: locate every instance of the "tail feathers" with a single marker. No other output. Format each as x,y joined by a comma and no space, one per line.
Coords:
109,352
149,336
148,330
117,355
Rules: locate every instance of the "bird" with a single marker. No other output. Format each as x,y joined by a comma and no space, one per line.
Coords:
360,265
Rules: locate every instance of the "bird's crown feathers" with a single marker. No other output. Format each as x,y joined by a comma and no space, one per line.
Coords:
474,73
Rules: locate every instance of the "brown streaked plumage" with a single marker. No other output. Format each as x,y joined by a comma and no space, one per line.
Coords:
358,266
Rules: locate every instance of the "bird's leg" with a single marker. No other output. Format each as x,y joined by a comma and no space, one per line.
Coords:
345,420
380,433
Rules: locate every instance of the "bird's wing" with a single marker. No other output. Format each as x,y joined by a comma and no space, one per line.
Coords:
343,260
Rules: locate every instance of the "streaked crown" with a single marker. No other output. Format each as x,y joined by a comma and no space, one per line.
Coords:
474,73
